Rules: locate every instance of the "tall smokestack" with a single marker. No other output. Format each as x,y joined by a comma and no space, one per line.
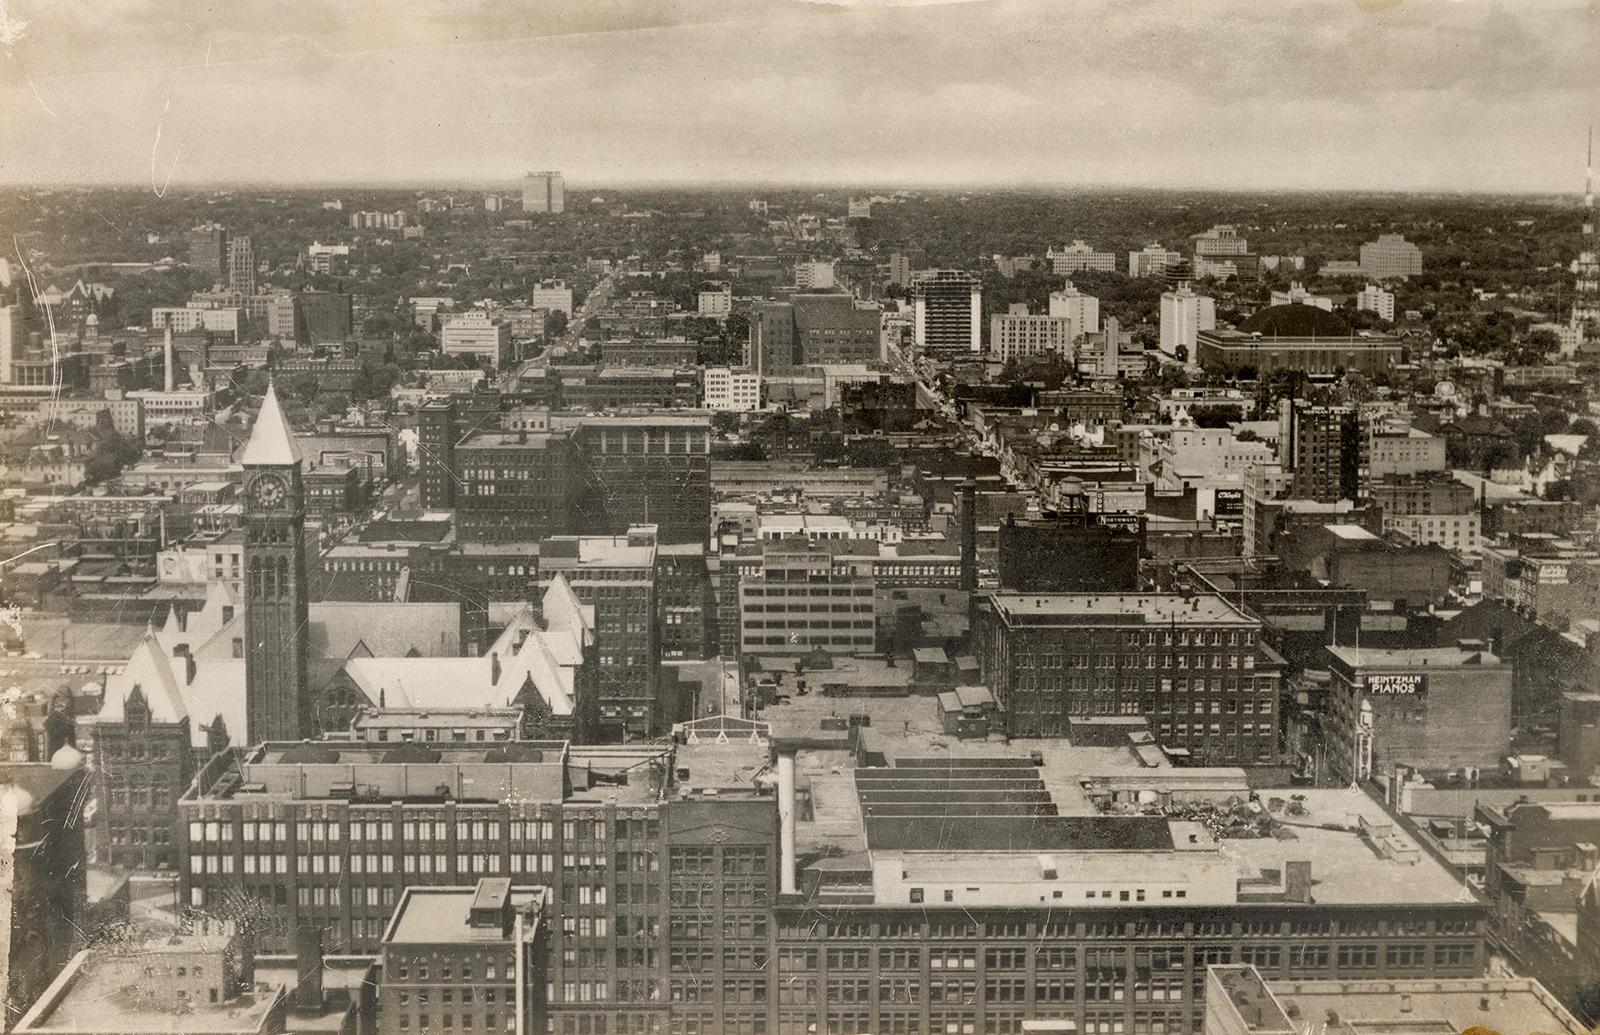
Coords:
169,381
786,839
969,535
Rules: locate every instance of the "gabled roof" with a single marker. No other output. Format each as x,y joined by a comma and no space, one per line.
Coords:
149,671
271,440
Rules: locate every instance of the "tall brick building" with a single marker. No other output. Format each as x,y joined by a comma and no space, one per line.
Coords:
1193,666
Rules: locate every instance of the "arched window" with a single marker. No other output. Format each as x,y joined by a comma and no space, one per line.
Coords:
283,576
255,578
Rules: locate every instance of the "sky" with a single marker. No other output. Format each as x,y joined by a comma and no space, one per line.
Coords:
1460,95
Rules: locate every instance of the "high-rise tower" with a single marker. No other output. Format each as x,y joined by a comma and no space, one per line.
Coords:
277,696
241,266
1586,293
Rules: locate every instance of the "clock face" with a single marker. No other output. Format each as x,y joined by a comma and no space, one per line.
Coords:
268,493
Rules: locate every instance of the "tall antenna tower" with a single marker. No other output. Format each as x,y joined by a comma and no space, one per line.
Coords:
1586,289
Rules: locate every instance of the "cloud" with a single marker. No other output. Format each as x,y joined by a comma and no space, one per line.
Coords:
1235,93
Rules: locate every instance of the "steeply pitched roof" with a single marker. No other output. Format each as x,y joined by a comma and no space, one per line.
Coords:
271,441
149,671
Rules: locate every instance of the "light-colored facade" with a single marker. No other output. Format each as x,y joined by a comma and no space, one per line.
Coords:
949,312
715,300
477,334
1404,450
1298,295
554,295
544,192
1391,256
1079,256
1016,335
13,340
729,390
1184,315
1374,299
188,319
127,415
241,265
1151,261
1082,309
1222,239
813,276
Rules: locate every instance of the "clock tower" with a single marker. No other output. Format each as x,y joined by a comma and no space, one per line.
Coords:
277,697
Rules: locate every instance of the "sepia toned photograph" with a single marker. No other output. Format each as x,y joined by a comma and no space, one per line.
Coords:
799,517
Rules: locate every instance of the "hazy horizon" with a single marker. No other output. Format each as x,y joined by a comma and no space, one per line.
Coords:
1360,96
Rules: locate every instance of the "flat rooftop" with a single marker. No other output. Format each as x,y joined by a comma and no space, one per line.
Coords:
434,916
1116,608
1423,1007
1420,657
101,994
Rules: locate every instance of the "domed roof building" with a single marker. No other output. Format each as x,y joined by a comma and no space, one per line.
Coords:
1296,320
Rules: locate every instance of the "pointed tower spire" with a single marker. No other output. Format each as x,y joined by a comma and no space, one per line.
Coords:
271,441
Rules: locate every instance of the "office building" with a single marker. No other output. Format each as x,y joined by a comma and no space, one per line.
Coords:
813,330
494,935
436,442
1429,508
1184,315
1083,310
478,334
1402,449
554,295
658,860
241,265
1429,708
984,899
1152,261
1061,555
616,577
327,258
805,597
1298,295
1240,1000
1391,257
543,192
208,249
1110,353
715,300
325,317
649,352
1320,449
1221,240
1540,863
730,390
191,318
42,859
1193,666
1374,299
126,415
902,267
1077,257
648,469
815,275
13,341
1017,335
507,486
949,311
